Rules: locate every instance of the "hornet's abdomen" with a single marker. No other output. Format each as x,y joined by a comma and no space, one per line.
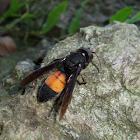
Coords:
53,85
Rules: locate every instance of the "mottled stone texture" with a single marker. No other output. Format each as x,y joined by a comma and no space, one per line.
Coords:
106,108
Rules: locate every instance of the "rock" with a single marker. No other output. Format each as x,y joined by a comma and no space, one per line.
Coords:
107,107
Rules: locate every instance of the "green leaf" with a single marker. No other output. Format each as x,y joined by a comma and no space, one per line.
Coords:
15,6
56,39
26,16
84,3
20,5
134,19
53,17
14,2
74,24
13,23
122,14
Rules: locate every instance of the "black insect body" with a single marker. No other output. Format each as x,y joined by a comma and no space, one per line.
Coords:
62,81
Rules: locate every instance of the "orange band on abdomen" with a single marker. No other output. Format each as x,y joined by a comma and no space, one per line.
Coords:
56,81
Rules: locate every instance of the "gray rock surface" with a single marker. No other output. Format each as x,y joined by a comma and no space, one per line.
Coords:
106,108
